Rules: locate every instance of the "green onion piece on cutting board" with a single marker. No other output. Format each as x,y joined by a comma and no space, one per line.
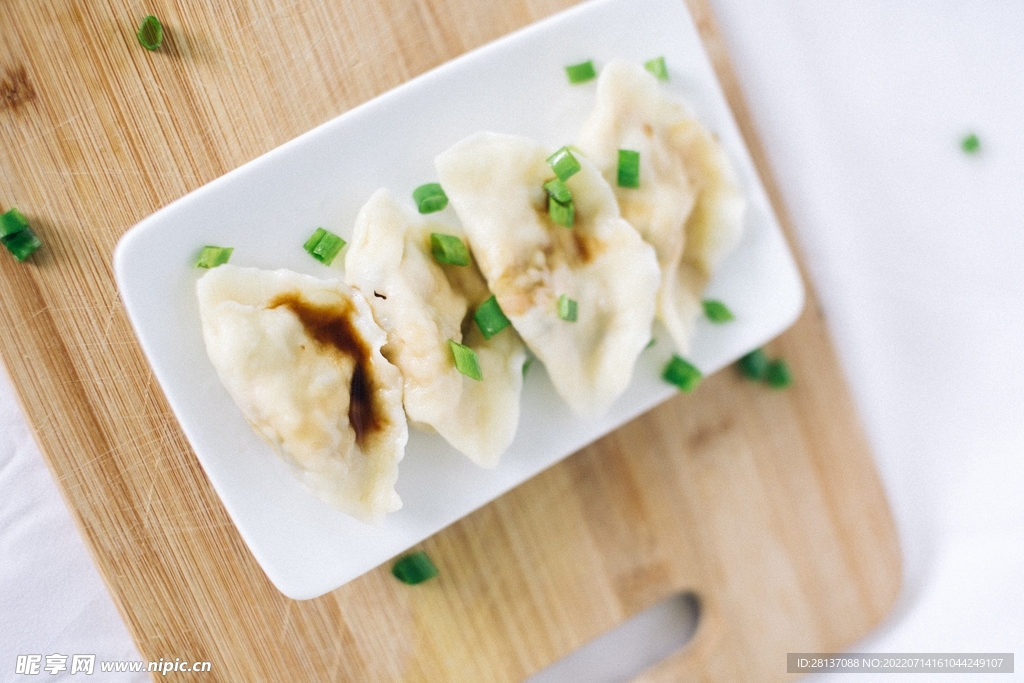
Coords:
415,568
151,33
777,375
753,365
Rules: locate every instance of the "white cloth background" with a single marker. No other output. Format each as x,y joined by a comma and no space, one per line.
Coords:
916,250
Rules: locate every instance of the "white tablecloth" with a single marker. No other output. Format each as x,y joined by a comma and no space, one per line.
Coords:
916,250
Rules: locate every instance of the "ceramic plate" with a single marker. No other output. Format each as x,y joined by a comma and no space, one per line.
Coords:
267,208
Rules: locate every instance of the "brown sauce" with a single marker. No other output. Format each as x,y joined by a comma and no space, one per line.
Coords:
572,246
332,327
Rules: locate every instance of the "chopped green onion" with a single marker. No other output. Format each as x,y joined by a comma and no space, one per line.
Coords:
657,67
558,190
151,33
22,243
16,234
560,205
526,364
567,309
682,374
466,361
211,257
971,144
563,163
414,568
581,73
629,168
651,343
430,198
716,311
777,375
12,222
490,318
562,214
449,249
754,364
324,245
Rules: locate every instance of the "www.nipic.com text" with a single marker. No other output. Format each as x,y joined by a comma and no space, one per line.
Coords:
32,665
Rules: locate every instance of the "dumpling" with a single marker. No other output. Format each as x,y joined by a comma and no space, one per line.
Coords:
301,358
421,305
688,204
495,183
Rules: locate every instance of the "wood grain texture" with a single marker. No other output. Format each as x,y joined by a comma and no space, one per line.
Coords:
765,504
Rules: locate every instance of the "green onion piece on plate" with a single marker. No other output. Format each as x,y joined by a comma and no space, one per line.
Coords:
12,222
449,249
629,168
777,375
716,311
430,198
22,243
558,190
414,568
490,318
526,364
211,257
581,73
151,33
466,361
682,374
563,163
324,245
657,67
753,365
562,214
567,309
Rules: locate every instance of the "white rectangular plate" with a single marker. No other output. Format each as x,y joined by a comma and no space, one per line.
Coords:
267,208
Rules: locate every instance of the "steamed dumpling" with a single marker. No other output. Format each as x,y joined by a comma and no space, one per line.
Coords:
688,204
301,358
495,183
421,305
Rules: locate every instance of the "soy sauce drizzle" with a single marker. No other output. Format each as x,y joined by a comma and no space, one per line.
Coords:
332,327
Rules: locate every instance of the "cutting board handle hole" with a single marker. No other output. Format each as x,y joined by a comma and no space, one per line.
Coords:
638,643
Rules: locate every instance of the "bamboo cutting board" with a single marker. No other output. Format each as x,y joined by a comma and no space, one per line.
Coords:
765,504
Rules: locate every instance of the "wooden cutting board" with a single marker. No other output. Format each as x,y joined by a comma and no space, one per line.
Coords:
765,504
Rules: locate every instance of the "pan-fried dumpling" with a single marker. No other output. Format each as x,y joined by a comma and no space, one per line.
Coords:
495,183
421,305
688,204
301,358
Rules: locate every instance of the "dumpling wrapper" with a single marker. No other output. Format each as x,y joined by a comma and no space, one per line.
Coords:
301,358
421,305
688,205
495,183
